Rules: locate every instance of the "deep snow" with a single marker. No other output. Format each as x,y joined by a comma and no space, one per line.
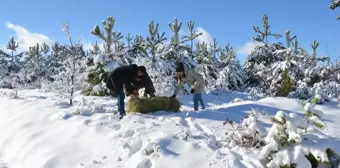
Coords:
40,130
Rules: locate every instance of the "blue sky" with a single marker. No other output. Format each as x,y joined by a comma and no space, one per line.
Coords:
32,21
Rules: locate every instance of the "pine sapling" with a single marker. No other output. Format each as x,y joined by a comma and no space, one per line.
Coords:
71,63
177,43
110,37
214,48
36,61
95,49
289,41
314,46
154,39
45,48
129,39
12,45
263,35
286,84
139,46
192,35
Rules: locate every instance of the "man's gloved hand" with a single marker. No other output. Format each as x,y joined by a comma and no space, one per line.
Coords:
173,96
192,91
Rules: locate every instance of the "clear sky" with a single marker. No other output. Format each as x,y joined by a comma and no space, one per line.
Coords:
32,21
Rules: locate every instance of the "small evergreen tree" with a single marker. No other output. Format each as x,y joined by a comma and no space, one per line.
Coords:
286,84
214,48
192,36
129,39
139,46
177,49
70,78
288,42
95,49
110,37
13,60
55,60
231,76
154,39
12,45
45,49
263,35
34,66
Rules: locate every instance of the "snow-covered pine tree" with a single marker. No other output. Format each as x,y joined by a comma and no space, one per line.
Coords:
335,4
285,74
313,69
34,66
70,78
258,64
110,37
205,67
177,49
99,65
138,48
54,61
231,76
129,39
263,35
192,36
45,49
4,82
13,59
154,40
214,48
95,49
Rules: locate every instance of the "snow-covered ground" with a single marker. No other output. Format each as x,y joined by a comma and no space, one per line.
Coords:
40,130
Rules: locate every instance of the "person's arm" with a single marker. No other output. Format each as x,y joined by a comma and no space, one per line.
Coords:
149,87
199,80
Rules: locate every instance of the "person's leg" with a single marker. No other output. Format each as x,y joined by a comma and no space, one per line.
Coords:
200,99
120,103
194,96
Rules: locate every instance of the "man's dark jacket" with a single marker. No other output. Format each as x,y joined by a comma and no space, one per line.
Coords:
146,83
123,75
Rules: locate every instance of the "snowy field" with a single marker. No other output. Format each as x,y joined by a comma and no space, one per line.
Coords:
39,130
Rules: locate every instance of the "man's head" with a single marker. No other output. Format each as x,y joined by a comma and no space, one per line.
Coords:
141,70
180,69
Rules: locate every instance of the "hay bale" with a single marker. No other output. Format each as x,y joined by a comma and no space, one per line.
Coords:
152,104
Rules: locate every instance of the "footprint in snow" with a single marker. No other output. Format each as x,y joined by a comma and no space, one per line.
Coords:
129,133
140,129
116,127
146,163
98,161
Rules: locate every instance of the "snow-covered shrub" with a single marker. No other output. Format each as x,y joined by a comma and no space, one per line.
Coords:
284,77
254,93
245,134
302,91
320,93
259,61
291,142
231,76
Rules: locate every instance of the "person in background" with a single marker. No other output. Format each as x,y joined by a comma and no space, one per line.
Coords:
189,75
121,80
